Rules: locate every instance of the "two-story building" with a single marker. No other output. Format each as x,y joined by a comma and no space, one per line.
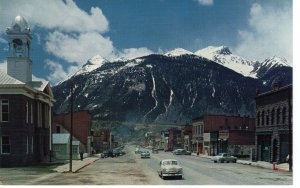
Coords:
231,134
164,139
101,140
197,135
273,138
174,141
82,122
25,103
186,135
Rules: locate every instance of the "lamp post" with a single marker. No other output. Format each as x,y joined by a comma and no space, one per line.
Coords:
71,129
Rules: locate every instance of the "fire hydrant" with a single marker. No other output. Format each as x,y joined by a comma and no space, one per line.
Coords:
274,166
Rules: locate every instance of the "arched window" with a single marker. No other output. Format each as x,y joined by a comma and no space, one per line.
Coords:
278,116
283,115
272,116
263,118
267,117
258,119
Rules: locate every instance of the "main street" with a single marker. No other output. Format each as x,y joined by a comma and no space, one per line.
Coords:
130,169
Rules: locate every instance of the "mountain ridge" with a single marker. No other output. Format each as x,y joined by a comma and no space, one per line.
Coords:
164,89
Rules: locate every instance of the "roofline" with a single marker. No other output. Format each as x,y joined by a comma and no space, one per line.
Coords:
274,91
26,87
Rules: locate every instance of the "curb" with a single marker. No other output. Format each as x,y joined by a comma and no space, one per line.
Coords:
86,164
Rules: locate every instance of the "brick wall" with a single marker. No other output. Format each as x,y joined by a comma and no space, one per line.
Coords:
18,131
81,124
221,122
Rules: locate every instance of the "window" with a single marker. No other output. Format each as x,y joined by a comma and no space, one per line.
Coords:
31,113
31,144
4,109
27,112
258,119
267,117
57,129
27,145
283,115
278,116
75,149
272,116
263,118
5,145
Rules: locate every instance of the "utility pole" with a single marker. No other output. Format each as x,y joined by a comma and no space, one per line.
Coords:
290,130
71,129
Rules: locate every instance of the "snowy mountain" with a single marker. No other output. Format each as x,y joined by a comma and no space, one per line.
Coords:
254,69
164,89
92,64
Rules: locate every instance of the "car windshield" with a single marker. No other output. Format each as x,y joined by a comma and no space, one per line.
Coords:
170,163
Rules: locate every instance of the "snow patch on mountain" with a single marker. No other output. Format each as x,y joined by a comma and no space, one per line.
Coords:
210,52
92,64
178,52
275,61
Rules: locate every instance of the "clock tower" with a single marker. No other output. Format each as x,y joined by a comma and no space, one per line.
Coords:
19,64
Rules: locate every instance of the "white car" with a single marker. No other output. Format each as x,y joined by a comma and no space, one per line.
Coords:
224,157
170,168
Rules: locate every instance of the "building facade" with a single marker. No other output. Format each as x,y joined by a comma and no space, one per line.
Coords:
82,122
174,140
231,134
186,134
164,139
197,135
273,138
101,140
25,104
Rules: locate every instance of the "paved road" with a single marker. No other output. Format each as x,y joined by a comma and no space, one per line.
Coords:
130,169
202,171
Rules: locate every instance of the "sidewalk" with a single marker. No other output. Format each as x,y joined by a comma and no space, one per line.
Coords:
76,164
284,167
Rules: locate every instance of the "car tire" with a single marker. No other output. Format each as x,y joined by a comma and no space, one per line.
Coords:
180,177
215,161
234,161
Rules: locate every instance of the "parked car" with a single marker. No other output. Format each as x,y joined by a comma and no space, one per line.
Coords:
224,157
187,152
104,154
154,150
181,152
145,154
108,153
137,151
170,168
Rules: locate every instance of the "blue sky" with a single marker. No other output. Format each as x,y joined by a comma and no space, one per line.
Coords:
67,33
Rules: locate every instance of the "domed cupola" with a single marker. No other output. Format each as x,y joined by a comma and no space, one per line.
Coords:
19,25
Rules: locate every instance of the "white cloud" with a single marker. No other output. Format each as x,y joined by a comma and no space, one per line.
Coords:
71,33
78,48
132,53
57,72
270,33
54,14
206,2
